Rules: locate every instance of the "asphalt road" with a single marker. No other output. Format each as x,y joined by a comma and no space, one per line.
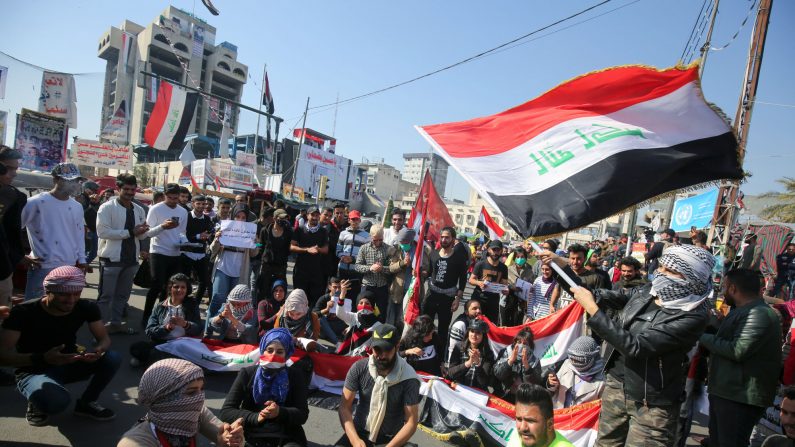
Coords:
322,428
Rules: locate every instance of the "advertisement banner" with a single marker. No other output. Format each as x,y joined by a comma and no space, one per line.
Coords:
222,175
102,155
41,139
694,211
198,41
314,163
288,190
246,160
58,97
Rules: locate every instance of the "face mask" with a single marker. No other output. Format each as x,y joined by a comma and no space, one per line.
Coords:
670,288
521,261
271,361
405,247
71,188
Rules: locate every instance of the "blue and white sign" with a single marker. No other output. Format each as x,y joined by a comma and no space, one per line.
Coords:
694,211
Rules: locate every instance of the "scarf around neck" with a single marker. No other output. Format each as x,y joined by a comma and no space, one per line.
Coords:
378,399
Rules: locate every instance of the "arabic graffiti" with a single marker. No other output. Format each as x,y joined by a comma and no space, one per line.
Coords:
547,159
495,428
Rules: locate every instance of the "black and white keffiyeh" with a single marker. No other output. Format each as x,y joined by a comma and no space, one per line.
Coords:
584,356
695,264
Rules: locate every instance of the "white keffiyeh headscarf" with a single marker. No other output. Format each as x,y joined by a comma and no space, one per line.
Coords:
695,264
400,372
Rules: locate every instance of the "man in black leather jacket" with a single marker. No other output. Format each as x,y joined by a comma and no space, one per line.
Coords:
647,345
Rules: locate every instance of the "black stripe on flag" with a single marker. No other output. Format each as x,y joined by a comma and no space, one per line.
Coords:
618,182
191,99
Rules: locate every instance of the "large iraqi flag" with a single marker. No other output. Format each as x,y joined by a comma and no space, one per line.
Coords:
171,117
591,147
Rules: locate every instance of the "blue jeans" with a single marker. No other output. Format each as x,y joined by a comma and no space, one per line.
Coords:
34,287
222,285
46,390
331,330
91,245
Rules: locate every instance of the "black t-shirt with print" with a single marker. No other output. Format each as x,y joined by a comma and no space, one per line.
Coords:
484,271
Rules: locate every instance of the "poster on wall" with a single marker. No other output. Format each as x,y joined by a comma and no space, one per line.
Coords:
694,211
41,139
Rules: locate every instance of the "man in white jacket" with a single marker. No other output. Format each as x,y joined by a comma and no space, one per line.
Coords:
120,225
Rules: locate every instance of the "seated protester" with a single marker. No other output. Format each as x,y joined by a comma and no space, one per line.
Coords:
236,322
535,420
472,359
231,267
389,396
420,347
458,330
270,398
581,378
39,338
270,305
176,316
361,325
657,326
517,364
543,296
296,317
172,390
331,326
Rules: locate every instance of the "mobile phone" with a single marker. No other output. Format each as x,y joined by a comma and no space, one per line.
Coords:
175,219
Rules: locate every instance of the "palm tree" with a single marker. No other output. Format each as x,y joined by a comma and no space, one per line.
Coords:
784,210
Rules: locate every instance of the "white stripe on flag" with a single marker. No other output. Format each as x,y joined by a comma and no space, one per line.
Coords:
585,437
193,350
176,110
659,120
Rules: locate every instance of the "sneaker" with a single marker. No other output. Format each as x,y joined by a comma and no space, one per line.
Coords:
119,328
134,362
36,417
94,411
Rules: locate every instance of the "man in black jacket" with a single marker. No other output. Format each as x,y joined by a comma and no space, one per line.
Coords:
194,253
647,345
630,275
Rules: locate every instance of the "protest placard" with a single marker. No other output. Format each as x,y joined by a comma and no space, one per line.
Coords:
238,234
102,155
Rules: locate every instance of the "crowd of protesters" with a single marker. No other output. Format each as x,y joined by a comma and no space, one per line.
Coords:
649,321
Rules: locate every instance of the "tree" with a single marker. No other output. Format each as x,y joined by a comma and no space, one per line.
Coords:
784,210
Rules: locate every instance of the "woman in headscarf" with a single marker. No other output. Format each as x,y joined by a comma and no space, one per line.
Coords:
172,390
296,318
361,323
177,316
236,322
270,398
517,364
658,324
270,305
581,378
232,264
472,359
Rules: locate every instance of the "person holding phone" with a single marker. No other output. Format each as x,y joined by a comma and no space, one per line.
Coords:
166,220
39,337
270,397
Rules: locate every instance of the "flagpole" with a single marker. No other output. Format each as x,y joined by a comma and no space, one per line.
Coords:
300,143
556,267
259,115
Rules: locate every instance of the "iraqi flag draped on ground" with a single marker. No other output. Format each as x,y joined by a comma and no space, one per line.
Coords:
591,147
171,116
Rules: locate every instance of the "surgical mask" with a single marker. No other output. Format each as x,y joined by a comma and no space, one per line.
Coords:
405,247
520,261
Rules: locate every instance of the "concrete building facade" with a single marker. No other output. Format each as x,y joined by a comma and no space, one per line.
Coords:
415,164
176,46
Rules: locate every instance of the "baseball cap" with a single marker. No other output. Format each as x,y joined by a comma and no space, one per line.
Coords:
495,244
478,325
280,214
354,214
385,336
312,210
66,171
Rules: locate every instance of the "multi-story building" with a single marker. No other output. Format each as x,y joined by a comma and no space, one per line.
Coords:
415,165
379,179
180,47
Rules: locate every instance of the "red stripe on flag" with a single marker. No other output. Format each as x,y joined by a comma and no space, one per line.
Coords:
159,113
489,222
578,417
332,366
593,94
544,327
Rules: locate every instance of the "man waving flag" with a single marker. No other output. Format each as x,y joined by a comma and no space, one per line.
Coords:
591,147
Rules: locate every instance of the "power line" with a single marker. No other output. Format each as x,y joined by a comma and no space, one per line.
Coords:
693,30
39,67
742,25
464,61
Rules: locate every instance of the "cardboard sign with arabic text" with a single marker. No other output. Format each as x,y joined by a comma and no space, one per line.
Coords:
238,234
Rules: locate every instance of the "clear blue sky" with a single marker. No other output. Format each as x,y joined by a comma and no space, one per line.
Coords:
324,48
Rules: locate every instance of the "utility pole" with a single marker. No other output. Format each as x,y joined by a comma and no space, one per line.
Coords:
300,143
708,41
259,107
725,213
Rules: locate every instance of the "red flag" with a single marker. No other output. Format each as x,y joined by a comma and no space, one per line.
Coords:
413,293
433,209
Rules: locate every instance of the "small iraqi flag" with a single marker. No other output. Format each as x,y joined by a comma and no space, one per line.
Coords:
591,147
171,117
487,225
